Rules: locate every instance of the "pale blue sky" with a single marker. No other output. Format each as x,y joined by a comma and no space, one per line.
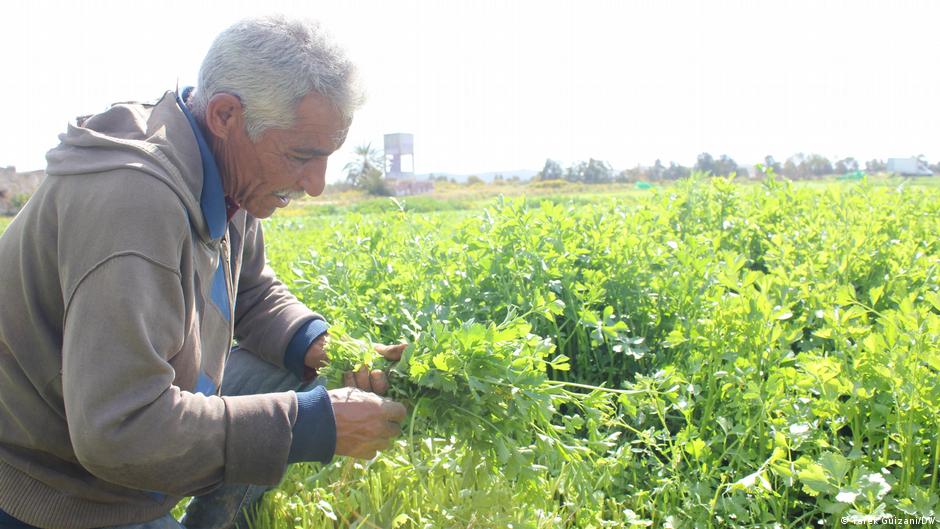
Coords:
490,85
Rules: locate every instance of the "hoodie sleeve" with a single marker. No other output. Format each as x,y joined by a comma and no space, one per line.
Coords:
128,423
268,318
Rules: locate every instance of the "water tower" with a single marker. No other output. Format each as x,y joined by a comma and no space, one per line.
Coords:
399,156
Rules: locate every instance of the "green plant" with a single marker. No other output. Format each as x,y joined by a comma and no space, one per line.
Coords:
776,345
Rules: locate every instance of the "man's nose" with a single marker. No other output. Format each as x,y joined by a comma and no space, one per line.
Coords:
314,180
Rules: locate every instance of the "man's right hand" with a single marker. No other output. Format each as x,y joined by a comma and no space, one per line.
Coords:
365,422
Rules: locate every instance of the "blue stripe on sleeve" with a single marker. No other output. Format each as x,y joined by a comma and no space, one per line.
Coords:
156,496
219,292
205,385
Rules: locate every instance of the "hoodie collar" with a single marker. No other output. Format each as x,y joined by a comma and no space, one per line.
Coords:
212,200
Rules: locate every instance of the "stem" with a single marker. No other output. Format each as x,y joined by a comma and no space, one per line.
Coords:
599,388
712,504
936,465
474,415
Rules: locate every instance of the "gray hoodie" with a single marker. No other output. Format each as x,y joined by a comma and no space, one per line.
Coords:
121,294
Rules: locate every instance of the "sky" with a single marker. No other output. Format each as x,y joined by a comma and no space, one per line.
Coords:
503,85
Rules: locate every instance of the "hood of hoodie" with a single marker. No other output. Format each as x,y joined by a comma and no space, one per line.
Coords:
156,139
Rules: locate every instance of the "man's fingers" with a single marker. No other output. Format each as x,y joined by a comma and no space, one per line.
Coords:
379,381
349,380
391,352
394,411
394,429
316,356
362,379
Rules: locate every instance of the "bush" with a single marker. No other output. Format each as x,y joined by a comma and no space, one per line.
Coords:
19,200
550,184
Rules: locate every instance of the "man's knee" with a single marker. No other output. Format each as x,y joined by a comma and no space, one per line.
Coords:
247,374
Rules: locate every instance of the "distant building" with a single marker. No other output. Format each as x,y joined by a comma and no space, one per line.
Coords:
15,187
400,167
908,167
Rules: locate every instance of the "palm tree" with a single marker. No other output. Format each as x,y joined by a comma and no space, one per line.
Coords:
368,164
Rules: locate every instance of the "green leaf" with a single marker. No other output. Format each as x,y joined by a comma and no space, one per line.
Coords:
836,465
557,307
441,362
845,295
815,480
873,343
875,294
560,363
748,483
934,299
401,520
697,449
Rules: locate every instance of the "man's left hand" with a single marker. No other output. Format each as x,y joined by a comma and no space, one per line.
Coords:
376,380
316,353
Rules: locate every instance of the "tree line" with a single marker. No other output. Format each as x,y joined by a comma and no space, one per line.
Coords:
798,166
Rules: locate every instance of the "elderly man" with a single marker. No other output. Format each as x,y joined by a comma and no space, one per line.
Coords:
129,274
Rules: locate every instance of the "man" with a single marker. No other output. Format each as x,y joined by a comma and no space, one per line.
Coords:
129,273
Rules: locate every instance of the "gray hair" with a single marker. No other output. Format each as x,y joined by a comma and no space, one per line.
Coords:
271,63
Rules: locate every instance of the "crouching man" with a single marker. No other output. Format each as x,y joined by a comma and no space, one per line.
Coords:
130,274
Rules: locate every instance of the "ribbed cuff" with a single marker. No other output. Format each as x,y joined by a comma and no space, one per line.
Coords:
314,432
297,349
25,498
9,522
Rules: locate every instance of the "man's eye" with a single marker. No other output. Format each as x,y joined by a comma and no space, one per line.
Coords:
299,159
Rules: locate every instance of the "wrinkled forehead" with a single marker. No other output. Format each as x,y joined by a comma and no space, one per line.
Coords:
318,120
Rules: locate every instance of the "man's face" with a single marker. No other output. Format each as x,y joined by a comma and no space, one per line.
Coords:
284,163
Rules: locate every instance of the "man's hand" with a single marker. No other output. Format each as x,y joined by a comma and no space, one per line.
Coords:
365,422
375,381
316,353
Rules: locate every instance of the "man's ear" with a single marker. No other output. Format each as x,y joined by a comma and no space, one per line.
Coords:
224,115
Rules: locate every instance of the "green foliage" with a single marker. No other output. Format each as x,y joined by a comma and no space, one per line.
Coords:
366,171
485,385
590,172
374,183
18,200
775,349
557,185
550,171
723,166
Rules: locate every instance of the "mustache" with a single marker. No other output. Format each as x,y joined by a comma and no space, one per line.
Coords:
291,194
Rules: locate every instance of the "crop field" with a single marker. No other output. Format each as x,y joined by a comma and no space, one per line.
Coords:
702,355
706,355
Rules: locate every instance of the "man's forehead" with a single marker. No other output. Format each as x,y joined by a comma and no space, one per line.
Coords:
319,122
317,144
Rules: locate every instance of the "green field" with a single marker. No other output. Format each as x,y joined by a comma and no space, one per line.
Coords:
707,354
776,346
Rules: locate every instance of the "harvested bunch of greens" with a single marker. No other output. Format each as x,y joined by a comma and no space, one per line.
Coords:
485,385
